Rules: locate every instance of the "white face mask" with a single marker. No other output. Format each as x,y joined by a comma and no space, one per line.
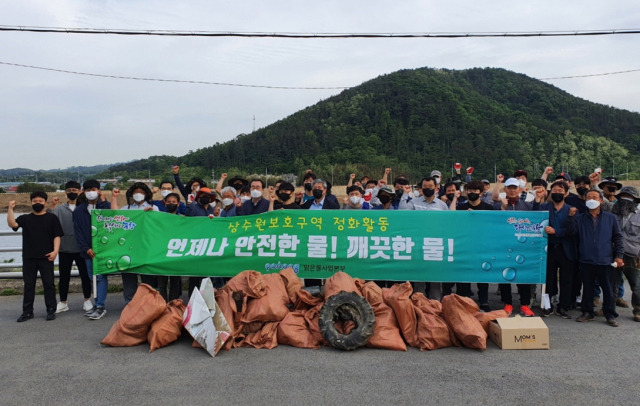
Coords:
244,198
437,180
592,204
165,193
416,193
256,193
227,202
355,199
92,195
138,197
522,183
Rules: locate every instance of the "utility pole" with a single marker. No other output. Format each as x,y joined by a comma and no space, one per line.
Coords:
254,123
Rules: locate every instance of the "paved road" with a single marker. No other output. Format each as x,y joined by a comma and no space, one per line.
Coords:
62,363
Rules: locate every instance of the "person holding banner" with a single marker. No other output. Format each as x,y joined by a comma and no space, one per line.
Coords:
319,201
82,232
258,204
173,283
287,197
513,202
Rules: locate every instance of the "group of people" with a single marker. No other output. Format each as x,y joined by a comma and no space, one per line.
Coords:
593,234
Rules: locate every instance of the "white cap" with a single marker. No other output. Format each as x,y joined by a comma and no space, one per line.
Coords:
512,182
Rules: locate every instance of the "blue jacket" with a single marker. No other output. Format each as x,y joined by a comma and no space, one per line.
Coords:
558,220
196,210
82,225
249,208
597,245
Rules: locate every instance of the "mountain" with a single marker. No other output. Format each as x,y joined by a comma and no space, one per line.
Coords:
423,119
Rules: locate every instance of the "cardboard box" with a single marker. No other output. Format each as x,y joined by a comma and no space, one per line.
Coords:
520,333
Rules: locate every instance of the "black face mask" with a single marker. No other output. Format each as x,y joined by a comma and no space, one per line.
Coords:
611,189
557,197
450,196
473,196
237,186
428,192
308,186
317,193
72,196
37,208
171,208
582,190
204,200
284,196
399,193
384,199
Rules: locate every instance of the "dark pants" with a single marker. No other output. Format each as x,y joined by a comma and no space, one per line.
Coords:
557,260
483,293
462,289
130,284
632,272
30,268
174,286
576,286
66,260
524,291
601,273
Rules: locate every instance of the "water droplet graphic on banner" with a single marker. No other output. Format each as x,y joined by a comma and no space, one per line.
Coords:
521,239
104,239
510,250
493,258
109,264
486,266
122,241
124,263
519,259
94,231
509,274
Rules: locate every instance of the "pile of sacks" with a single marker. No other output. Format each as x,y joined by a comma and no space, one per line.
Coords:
262,311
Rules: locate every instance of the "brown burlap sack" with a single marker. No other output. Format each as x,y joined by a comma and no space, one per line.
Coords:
311,316
168,327
306,300
265,338
459,313
292,283
273,305
386,333
485,319
248,282
293,330
397,297
136,318
338,282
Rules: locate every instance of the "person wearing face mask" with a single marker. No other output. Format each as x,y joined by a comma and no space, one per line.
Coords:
69,251
191,189
203,205
628,218
41,232
286,198
257,204
170,287
307,184
429,201
138,198
355,200
452,196
237,182
230,202
561,247
319,202
601,245
166,188
82,232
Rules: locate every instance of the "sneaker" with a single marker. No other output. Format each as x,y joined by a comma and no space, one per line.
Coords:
87,306
62,307
620,302
546,312
508,308
24,317
485,307
563,313
98,314
51,316
612,322
584,317
90,311
636,317
526,311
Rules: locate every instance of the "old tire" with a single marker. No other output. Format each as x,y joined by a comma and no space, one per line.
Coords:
342,307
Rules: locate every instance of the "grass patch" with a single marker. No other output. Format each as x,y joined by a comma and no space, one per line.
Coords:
10,292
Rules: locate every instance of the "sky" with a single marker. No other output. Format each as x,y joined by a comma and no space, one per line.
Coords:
54,120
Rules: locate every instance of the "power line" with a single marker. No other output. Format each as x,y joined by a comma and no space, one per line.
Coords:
308,35
198,82
593,74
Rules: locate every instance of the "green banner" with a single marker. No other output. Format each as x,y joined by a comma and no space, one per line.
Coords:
438,246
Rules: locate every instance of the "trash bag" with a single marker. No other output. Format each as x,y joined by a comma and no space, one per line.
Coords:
168,327
250,283
267,337
306,300
459,313
386,333
273,305
133,325
204,320
485,319
339,282
347,306
292,283
293,330
312,316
